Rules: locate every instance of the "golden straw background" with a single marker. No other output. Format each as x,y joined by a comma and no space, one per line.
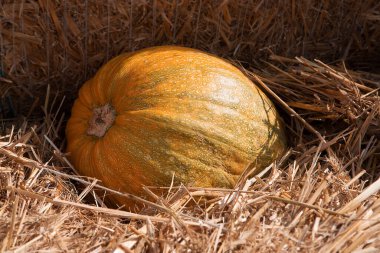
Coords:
317,60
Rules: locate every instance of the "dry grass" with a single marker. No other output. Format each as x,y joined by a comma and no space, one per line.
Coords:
321,196
63,43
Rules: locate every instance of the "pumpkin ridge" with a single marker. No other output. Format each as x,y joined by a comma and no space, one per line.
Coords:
135,148
148,111
144,93
205,101
215,169
133,172
190,130
103,83
84,154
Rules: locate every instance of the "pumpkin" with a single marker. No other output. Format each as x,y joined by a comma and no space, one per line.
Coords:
167,113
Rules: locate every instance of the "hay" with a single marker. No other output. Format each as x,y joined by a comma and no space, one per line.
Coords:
63,43
321,196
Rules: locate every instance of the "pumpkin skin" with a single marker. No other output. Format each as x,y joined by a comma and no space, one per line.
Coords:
176,111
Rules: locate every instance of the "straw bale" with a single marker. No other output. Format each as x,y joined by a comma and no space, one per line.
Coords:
321,196
62,43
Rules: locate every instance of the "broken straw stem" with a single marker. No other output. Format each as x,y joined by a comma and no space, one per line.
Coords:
292,112
369,191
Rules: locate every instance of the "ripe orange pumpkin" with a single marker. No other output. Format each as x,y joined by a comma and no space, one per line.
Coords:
166,111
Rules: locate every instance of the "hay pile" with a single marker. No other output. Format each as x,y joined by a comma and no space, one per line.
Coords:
318,197
63,43
321,196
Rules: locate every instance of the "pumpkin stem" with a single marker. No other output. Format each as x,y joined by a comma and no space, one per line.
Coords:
102,119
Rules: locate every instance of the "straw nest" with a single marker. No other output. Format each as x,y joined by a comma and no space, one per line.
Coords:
321,196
